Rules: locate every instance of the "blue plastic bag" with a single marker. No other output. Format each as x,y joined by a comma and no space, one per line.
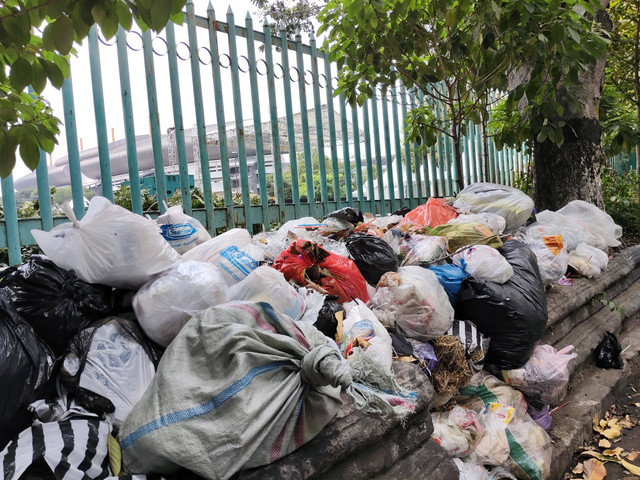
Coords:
450,277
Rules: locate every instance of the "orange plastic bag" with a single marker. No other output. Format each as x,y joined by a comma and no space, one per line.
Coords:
433,213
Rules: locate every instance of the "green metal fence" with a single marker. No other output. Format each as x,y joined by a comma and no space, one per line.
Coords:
263,111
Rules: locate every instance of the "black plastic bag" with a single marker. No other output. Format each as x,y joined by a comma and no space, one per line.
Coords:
327,322
607,353
54,301
513,315
26,365
351,215
373,256
402,211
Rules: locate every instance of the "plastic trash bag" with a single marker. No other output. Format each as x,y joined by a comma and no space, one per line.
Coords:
110,245
327,319
350,214
554,223
495,222
180,230
232,253
475,344
413,300
608,352
425,353
425,250
373,256
552,257
26,364
433,213
588,261
508,202
542,416
484,263
310,265
466,234
457,430
266,284
544,376
598,223
275,386
514,314
335,228
108,367
450,277
493,445
54,301
468,470
165,304
484,388
363,330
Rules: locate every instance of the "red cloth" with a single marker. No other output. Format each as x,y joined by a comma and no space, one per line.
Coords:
307,262
433,213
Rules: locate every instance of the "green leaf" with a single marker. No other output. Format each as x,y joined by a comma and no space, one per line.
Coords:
53,72
39,77
124,15
573,34
63,34
18,28
7,154
450,18
177,18
579,9
177,6
20,75
557,33
160,14
109,25
29,152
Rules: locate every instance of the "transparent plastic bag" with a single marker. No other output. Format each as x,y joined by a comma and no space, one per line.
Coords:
180,230
425,249
163,305
588,261
266,284
484,262
110,245
508,202
552,257
457,431
232,253
362,329
469,470
598,223
553,223
495,222
544,376
414,300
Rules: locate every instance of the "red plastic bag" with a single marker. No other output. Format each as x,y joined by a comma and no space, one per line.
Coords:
433,213
308,264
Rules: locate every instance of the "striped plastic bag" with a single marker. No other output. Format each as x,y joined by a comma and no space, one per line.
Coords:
241,386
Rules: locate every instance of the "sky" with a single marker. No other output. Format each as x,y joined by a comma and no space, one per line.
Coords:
83,97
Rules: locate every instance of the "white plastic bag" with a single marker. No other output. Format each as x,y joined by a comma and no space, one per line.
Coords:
468,470
414,300
266,284
110,245
361,324
598,223
457,430
426,249
554,223
495,222
553,261
163,305
232,252
588,261
508,202
484,262
180,230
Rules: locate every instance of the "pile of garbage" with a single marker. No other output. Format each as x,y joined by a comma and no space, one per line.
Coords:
159,348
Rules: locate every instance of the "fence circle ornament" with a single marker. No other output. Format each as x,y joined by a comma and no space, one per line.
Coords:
265,66
178,51
241,66
334,82
228,60
306,78
320,77
200,56
166,46
136,35
291,70
275,74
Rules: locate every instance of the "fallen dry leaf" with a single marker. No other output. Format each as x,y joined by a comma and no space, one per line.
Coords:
604,443
578,469
613,422
611,433
613,453
594,469
603,423
632,456
637,404
626,422
629,466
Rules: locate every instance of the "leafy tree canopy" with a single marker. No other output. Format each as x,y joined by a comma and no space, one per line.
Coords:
30,57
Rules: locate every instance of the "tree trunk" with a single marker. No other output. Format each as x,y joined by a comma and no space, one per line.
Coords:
572,171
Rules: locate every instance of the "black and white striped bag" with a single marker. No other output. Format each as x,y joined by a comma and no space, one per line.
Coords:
475,343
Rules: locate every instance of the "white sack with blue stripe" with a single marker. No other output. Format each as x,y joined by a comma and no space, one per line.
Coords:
241,386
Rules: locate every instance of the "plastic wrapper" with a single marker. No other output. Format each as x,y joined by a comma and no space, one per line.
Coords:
54,301
372,255
484,263
508,202
469,470
552,257
484,388
495,222
110,245
513,315
165,304
413,300
598,223
433,213
425,250
541,416
26,366
554,223
493,445
457,430
308,264
180,230
450,277
350,214
588,261
475,344
544,376
266,284
335,228
608,352
108,367
327,320
466,234
425,352
232,253
363,330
